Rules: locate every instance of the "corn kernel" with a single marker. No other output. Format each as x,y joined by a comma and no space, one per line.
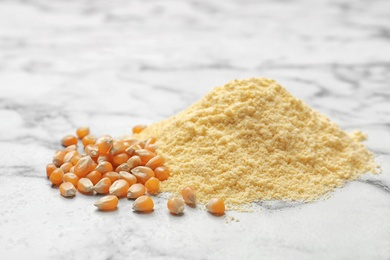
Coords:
81,169
136,190
189,195
216,206
113,176
68,140
56,176
142,173
85,185
94,176
134,162
66,167
119,188
143,204
103,186
49,169
67,189
88,139
138,129
70,177
152,185
107,203
104,167
144,155
130,178
69,156
162,173
123,167
119,159
104,144
58,158
175,205
81,132
155,162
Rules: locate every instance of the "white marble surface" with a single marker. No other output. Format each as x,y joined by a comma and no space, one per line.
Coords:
114,64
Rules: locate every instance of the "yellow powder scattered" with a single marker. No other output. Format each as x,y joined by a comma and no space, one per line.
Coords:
251,140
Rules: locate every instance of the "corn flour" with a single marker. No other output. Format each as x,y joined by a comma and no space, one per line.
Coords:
251,140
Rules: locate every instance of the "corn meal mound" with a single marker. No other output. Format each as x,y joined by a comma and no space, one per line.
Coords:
251,140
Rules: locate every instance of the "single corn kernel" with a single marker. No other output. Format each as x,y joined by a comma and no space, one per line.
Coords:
116,148
152,185
138,129
56,176
82,167
104,144
119,188
134,162
151,140
76,159
162,173
67,189
155,162
151,147
94,176
66,167
189,195
119,159
70,155
70,148
142,173
107,203
144,154
112,175
71,177
136,190
130,178
68,140
58,158
104,167
49,169
175,205
143,204
85,185
103,186
130,151
123,167
216,206
104,158
81,132
91,150
88,139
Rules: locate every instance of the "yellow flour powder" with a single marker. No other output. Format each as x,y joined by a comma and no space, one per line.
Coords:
251,140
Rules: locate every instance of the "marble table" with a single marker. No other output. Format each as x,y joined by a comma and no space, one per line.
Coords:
114,64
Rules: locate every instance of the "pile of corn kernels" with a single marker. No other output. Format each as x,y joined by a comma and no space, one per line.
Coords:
117,168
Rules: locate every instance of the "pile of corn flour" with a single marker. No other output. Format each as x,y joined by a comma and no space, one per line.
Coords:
251,140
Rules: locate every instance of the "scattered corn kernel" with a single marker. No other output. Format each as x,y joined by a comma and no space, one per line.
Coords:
103,186
67,189
104,167
155,162
56,176
142,173
130,178
68,140
81,169
85,185
113,176
119,188
189,195
119,159
70,148
216,206
88,139
91,150
81,132
66,167
58,158
69,156
134,162
152,185
162,173
70,177
176,205
143,204
138,129
144,155
49,169
104,144
94,176
107,203
136,190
